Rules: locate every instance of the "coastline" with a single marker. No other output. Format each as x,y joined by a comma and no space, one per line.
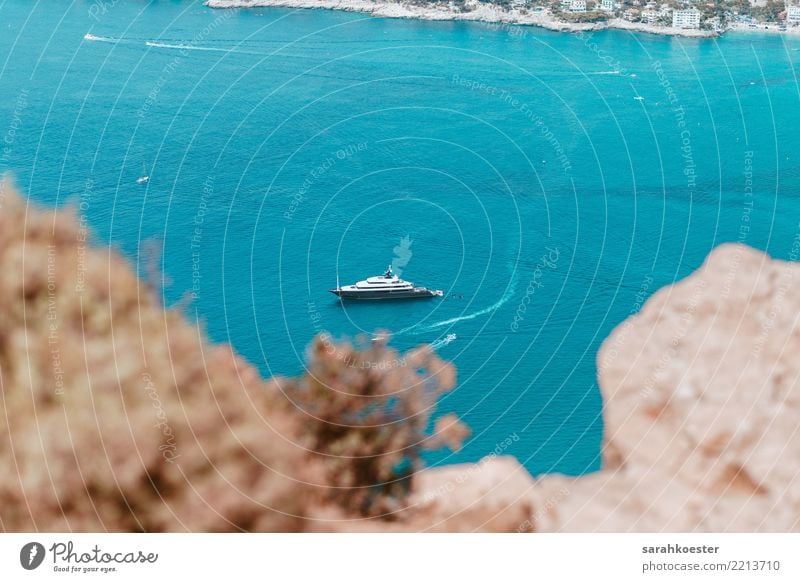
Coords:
478,13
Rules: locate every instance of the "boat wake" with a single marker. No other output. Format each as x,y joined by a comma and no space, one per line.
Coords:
186,47
452,320
95,38
181,46
440,343
485,311
605,73
192,47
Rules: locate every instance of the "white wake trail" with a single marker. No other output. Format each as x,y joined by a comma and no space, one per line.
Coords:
191,47
95,38
186,47
439,343
486,310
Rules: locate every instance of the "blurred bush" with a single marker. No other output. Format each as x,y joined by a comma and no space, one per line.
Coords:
366,413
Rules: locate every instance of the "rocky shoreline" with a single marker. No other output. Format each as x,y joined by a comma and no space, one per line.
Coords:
475,12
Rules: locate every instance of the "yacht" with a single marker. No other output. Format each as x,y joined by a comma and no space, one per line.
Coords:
386,286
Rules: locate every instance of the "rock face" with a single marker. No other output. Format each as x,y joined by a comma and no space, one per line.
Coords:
701,395
490,495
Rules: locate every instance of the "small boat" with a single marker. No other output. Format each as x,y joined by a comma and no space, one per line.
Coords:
386,286
144,178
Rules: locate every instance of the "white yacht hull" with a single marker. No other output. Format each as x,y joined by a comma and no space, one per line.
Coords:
415,293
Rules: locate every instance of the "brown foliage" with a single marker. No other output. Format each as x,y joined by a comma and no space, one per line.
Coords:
366,413
116,414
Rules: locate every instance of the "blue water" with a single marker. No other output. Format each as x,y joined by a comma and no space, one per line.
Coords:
289,148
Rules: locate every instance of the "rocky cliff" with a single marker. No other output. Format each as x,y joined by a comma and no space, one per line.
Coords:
701,394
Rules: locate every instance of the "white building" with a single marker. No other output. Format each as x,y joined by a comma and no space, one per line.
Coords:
565,4
577,6
649,16
686,18
607,5
793,14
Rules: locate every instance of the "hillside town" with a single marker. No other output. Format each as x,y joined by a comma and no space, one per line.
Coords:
712,15
692,18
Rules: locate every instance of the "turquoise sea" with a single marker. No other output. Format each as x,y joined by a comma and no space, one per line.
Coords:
547,182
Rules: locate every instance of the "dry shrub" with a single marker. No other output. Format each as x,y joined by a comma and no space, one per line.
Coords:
118,415
366,413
